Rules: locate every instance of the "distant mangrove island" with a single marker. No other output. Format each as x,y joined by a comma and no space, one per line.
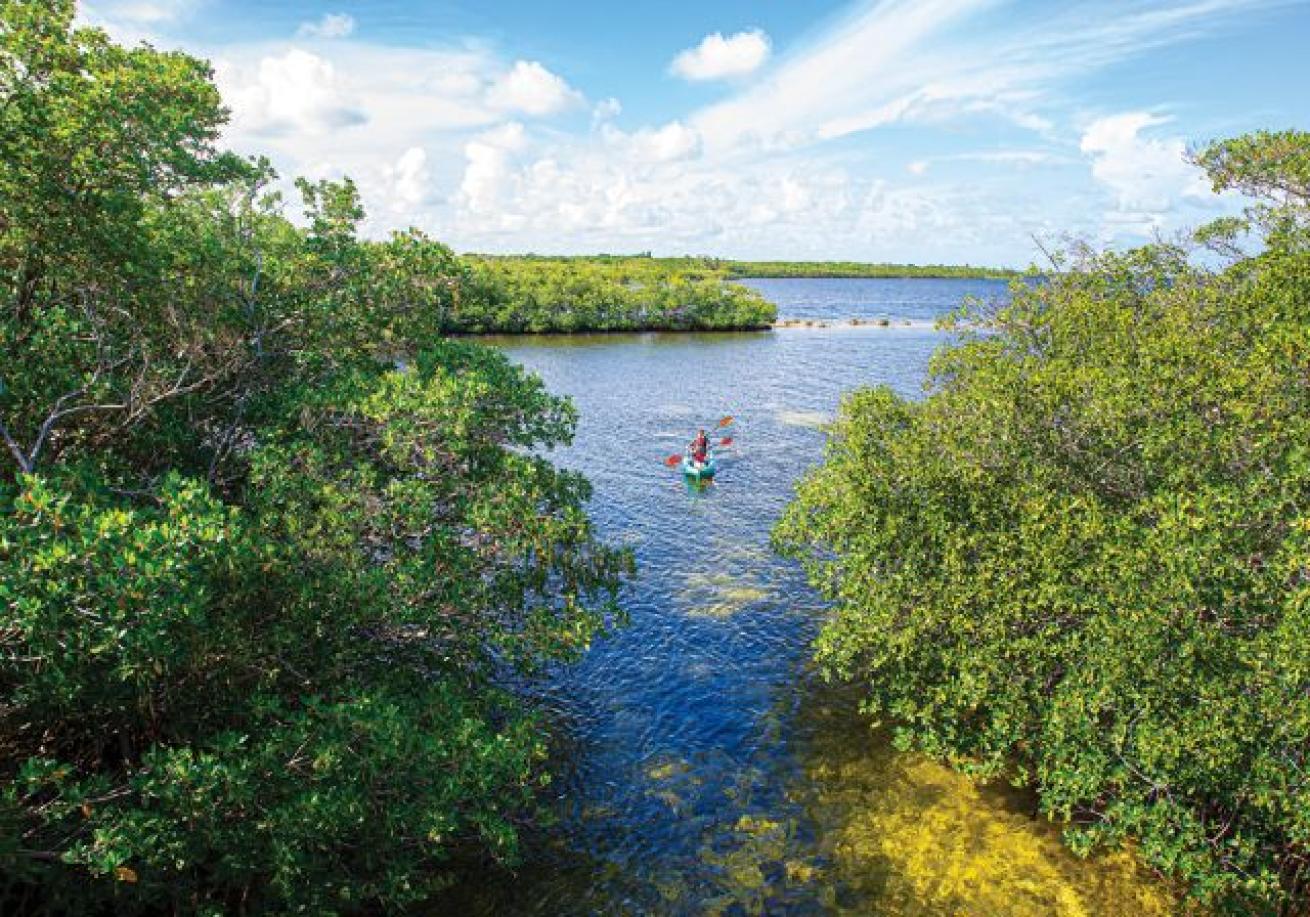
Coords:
535,294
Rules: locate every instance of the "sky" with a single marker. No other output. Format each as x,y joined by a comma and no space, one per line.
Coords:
918,131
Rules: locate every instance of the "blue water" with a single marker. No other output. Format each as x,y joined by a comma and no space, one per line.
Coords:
915,299
680,732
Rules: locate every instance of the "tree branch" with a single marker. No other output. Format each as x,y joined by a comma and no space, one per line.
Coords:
24,463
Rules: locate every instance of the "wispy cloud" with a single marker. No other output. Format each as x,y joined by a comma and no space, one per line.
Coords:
490,151
331,25
1023,159
900,60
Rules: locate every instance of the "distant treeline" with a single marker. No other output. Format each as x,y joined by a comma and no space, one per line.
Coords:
859,269
533,295
708,266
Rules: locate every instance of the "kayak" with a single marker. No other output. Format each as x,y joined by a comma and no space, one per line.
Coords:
699,470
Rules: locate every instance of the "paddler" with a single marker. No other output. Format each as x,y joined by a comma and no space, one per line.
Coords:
700,448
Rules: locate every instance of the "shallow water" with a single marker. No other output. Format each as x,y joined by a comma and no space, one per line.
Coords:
703,771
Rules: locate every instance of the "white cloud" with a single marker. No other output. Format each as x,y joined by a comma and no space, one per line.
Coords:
146,12
672,142
433,137
489,173
331,25
606,110
533,90
928,61
298,106
292,92
1020,158
134,21
411,181
1015,157
717,57
1147,177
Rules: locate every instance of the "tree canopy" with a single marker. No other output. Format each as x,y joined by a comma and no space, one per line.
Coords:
272,550
1080,561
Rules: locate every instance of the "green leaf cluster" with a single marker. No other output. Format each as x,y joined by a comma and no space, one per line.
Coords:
273,552
1080,562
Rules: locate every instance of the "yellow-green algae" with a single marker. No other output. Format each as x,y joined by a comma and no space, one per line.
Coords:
751,865
888,832
816,419
667,768
861,829
919,838
721,595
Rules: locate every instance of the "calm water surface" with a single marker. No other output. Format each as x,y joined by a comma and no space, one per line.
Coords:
704,770
918,300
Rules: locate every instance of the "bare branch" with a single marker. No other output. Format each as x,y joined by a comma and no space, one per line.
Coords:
24,463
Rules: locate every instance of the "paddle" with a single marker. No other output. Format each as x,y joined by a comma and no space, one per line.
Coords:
673,461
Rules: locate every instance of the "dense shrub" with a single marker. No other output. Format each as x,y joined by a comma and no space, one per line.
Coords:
1080,561
606,294
269,545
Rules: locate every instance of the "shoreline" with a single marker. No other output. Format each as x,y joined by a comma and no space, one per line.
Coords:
557,332
821,323
784,324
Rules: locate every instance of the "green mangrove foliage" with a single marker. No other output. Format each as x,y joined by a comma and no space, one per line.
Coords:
537,294
1081,561
544,293
861,269
709,266
271,549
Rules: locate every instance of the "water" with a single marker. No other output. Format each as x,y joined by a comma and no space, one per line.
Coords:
917,300
703,770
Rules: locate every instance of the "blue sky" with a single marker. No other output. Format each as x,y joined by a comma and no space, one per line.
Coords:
879,130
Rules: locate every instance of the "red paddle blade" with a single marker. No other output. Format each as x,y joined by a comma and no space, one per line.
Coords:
725,421
673,461
726,441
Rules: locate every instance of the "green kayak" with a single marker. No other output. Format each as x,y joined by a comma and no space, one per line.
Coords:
699,470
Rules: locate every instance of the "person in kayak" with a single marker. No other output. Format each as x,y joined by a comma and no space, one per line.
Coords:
700,448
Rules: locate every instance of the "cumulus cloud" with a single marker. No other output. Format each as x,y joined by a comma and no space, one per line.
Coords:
410,179
672,142
331,25
578,199
489,172
717,57
452,144
292,92
1147,177
530,88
